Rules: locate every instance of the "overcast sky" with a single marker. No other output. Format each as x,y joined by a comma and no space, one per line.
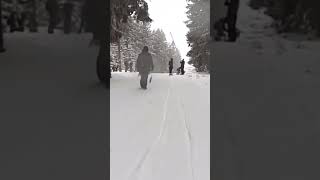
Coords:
169,15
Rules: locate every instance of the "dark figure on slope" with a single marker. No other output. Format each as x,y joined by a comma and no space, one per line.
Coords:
170,66
67,8
131,66
114,68
15,22
144,66
82,18
233,6
22,20
178,70
182,67
126,66
52,7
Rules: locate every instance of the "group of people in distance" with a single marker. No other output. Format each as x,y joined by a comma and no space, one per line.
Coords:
144,66
52,6
18,17
128,66
180,70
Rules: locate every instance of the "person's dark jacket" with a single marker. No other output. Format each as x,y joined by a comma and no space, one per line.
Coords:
170,64
144,63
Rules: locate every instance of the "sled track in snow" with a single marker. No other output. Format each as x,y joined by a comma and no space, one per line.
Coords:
189,137
146,154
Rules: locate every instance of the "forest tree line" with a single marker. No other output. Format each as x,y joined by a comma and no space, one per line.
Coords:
138,34
299,16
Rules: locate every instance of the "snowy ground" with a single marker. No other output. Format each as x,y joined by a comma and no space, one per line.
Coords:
53,112
266,106
162,132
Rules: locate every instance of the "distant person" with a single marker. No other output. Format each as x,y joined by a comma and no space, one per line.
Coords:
52,7
114,68
67,8
233,6
178,70
144,65
13,21
182,67
131,66
126,66
83,17
21,21
170,66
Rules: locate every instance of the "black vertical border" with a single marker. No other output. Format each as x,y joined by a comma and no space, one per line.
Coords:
212,76
108,25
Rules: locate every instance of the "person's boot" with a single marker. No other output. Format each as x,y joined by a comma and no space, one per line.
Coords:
146,83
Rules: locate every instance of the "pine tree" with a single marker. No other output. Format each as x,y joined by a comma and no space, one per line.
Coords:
199,34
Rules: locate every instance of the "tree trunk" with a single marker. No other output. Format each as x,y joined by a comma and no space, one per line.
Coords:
1,30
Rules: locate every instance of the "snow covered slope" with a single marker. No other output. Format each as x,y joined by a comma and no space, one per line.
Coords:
265,104
53,113
162,132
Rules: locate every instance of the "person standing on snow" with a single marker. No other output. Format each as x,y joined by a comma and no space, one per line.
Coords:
170,66
131,66
67,8
126,66
52,7
144,65
182,67
12,21
233,6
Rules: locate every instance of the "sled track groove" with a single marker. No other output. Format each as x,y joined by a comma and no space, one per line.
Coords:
189,137
146,154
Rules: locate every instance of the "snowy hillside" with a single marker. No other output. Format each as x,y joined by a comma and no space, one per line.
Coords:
163,132
265,104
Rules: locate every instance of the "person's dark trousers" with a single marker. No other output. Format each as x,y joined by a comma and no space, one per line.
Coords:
52,22
67,24
82,26
232,30
68,16
144,80
182,70
170,71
